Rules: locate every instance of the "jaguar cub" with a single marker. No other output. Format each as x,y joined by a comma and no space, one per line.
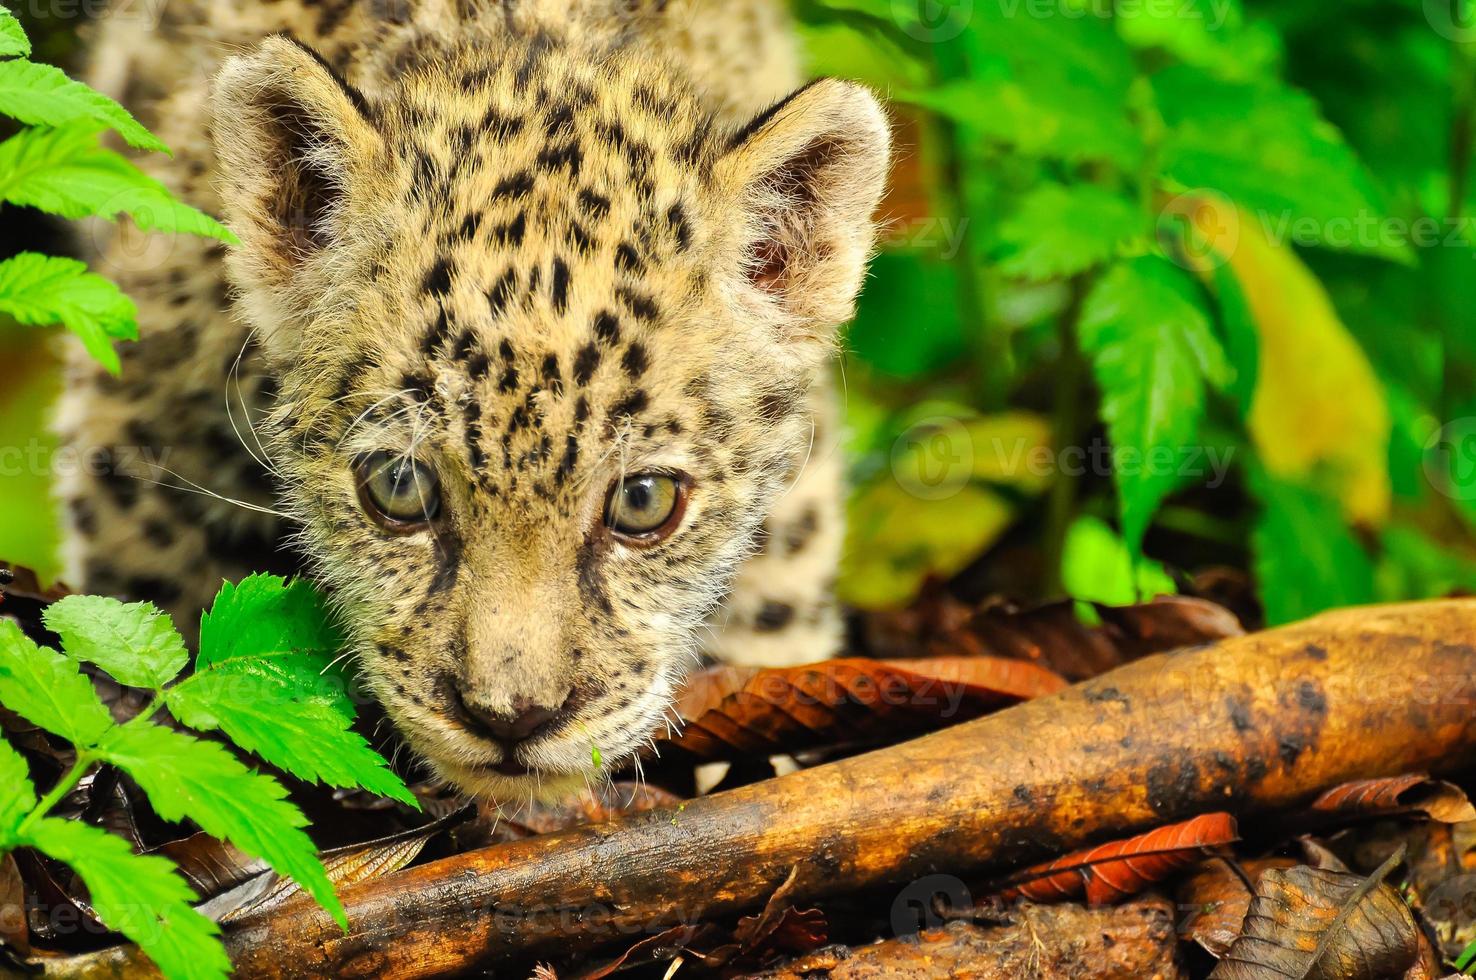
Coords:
523,354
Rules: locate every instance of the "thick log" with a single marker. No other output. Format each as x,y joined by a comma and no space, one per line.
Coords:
1251,724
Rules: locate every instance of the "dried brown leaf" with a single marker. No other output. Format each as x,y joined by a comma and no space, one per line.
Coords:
1310,924
733,712
1119,869
1216,899
1411,793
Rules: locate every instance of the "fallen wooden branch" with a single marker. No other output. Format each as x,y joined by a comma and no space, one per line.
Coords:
1254,723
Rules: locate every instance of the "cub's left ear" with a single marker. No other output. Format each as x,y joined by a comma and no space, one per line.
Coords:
806,176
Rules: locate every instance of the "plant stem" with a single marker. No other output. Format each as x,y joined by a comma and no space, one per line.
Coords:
1066,427
58,792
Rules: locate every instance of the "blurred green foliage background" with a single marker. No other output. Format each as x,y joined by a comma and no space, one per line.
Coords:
1166,286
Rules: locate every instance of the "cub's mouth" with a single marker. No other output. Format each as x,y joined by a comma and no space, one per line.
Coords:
525,749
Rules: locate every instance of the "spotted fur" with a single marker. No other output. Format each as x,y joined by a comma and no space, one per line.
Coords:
536,246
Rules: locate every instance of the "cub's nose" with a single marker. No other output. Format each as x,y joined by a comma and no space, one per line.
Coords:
507,727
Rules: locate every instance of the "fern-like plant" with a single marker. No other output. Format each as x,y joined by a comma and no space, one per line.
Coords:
56,163
262,677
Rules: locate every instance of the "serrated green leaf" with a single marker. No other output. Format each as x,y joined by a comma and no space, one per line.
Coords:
40,290
1265,146
1058,231
185,777
1306,559
268,619
134,642
41,95
266,711
65,171
48,690
17,795
13,40
139,895
1152,348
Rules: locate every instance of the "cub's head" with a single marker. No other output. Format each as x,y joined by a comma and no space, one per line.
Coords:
543,334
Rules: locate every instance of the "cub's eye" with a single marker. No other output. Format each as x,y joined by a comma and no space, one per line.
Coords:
646,507
399,492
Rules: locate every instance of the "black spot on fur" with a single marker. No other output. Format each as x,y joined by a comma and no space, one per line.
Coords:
448,563
641,307
551,375
438,334
607,327
560,286
561,120
570,460
509,380
677,218
502,292
500,126
568,156
419,385
438,279
773,616
512,232
515,186
595,205
632,404
585,363
153,589
470,225
579,239
635,360
628,259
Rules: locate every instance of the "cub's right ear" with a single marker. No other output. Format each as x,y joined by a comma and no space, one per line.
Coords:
293,141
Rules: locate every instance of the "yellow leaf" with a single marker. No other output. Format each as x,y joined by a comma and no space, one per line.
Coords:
897,539
1317,411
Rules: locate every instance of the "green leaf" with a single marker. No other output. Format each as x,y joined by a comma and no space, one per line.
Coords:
13,40
17,795
1265,146
268,619
1306,559
267,711
139,895
134,642
1152,349
48,690
1096,566
40,95
39,290
187,778
65,171
1058,231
